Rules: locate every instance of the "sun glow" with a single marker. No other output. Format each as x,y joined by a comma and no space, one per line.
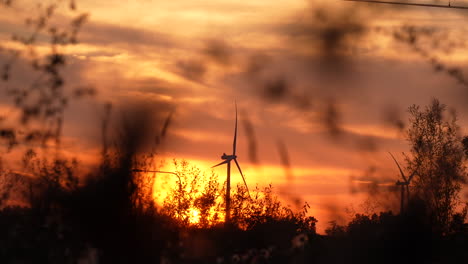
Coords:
194,216
167,187
184,193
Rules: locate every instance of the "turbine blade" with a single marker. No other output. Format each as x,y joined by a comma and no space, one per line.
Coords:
414,173
221,163
243,178
235,135
401,171
411,177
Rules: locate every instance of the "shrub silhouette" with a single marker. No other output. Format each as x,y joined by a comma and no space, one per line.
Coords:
193,191
251,224
110,211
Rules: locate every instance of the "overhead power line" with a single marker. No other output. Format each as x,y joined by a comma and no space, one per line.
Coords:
410,4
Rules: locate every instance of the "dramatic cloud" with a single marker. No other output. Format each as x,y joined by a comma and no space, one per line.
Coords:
125,36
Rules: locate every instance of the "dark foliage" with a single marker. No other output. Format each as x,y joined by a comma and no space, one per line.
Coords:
437,156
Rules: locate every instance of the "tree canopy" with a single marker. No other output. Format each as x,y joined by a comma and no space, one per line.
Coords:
437,156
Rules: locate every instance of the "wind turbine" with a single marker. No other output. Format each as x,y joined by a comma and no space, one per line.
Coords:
404,184
227,160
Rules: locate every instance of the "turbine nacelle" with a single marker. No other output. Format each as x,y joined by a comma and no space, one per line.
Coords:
402,183
228,157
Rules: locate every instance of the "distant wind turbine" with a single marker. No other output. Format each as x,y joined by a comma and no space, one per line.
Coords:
410,4
227,160
404,185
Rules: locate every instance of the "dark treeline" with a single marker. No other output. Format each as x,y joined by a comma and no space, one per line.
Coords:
111,215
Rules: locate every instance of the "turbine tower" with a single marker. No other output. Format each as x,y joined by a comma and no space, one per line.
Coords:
404,185
227,160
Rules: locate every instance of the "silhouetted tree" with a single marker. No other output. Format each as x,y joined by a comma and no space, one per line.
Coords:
335,230
465,145
437,154
194,199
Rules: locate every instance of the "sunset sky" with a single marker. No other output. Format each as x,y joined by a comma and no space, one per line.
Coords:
328,82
